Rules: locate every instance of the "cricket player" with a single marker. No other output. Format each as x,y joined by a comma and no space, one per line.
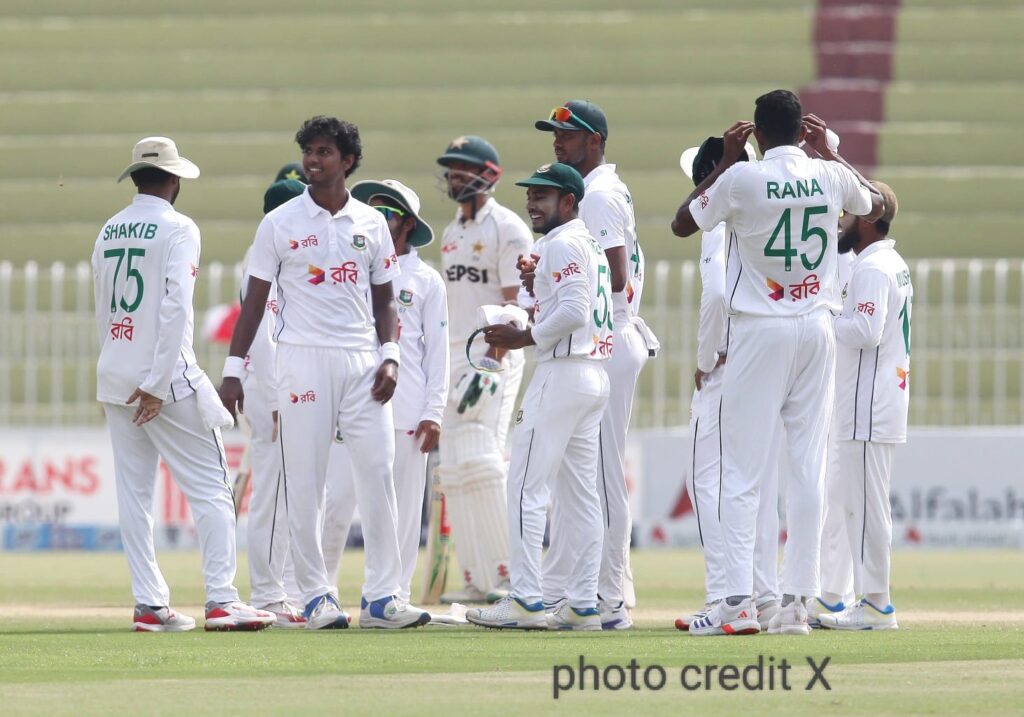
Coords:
580,130
479,251
422,392
267,527
705,469
144,266
782,213
873,395
555,443
337,363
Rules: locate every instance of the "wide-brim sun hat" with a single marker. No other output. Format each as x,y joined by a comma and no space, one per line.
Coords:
406,199
162,153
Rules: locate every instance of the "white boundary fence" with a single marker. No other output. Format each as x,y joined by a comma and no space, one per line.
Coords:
967,363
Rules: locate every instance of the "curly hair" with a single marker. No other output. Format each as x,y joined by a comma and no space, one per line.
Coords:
345,136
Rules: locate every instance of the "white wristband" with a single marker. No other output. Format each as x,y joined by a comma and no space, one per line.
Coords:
389,352
234,367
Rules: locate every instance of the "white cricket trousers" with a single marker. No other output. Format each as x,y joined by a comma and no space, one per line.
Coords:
410,472
271,575
778,367
322,390
704,483
836,556
866,474
555,454
196,459
629,355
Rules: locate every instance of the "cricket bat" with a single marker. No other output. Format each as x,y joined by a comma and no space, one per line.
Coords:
439,534
243,475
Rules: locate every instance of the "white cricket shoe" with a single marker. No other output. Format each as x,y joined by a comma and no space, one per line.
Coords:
510,613
550,607
325,613
286,615
818,607
766,611
230,616
469,594
725,619
160,619
863,615
587,619
683,623
790,620
614,616
390,612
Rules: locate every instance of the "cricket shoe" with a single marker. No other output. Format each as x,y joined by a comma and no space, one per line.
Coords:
725,619
325,613
468,595
554,605
286,615
614,616
510,613
160,619
818,607
790,620
390,612
863,615
766,610
683,623
231,616
567,617
499,593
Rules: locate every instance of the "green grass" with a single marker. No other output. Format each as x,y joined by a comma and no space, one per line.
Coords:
92,665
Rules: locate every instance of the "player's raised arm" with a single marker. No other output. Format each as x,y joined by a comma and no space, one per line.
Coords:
735,139
815,133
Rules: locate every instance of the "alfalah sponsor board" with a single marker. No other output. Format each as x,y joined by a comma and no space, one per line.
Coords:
957,488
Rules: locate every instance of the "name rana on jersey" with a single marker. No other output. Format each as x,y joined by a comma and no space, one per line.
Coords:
458,272
802,190
136,230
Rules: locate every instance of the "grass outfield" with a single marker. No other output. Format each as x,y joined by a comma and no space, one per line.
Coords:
65,649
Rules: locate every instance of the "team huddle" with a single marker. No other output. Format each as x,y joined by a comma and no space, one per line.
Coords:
352,360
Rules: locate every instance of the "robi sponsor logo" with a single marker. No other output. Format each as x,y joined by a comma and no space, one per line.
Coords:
572,268
307,397
775,290
317,275
903,376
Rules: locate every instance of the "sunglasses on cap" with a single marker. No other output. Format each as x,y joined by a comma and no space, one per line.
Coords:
564,114
390,212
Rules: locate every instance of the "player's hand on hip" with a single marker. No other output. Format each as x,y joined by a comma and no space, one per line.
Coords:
474,389
149,406
698,379
735,139
384,382
232,396
428,433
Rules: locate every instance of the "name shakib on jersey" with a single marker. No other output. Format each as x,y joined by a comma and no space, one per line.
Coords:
135,230
803,189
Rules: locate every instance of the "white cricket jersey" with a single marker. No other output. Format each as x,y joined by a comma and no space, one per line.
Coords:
873,348
261,361
783,215
144,266
324,266
478,259
573,286
713,322
423,342
607,210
